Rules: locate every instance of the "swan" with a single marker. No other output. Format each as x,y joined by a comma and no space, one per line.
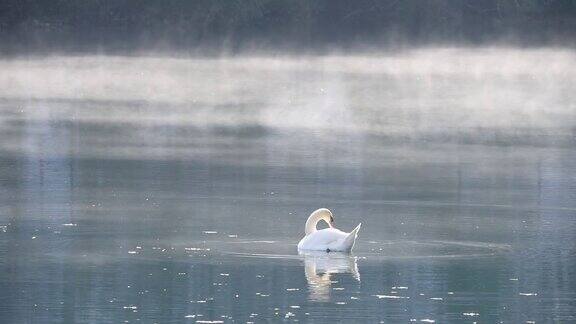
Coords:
328,239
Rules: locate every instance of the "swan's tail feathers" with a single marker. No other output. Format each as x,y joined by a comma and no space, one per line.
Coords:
351,238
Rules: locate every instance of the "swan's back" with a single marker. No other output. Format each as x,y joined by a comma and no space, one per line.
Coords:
329,239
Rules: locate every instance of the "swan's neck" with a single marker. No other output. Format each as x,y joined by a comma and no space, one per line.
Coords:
313,220
311,224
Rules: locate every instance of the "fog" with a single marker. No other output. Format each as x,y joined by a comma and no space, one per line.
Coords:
163,186
447,92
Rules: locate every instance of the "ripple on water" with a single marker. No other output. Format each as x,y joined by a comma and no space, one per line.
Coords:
373,251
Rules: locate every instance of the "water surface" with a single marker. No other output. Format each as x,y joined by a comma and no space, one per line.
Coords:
162,190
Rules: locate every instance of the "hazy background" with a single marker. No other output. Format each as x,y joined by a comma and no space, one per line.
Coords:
158,160
207,26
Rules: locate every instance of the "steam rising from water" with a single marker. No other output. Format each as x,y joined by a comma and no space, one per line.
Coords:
159,181
467,94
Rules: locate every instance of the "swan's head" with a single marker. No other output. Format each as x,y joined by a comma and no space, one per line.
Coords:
326,215
319,215
331,222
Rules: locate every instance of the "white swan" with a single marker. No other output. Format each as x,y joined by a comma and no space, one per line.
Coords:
329,239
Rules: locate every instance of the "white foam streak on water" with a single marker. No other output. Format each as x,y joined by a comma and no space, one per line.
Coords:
391,297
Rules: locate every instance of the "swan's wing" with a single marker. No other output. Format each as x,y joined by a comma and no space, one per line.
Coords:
322,239
330,235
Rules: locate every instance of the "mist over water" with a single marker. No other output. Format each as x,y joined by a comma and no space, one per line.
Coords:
163,189
417,93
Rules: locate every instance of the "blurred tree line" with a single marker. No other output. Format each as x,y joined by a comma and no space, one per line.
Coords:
237,25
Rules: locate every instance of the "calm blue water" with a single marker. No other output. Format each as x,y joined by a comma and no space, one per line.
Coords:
181,197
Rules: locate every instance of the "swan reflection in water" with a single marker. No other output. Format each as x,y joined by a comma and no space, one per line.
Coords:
319,268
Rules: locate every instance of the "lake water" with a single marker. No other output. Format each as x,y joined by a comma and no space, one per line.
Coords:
164,190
